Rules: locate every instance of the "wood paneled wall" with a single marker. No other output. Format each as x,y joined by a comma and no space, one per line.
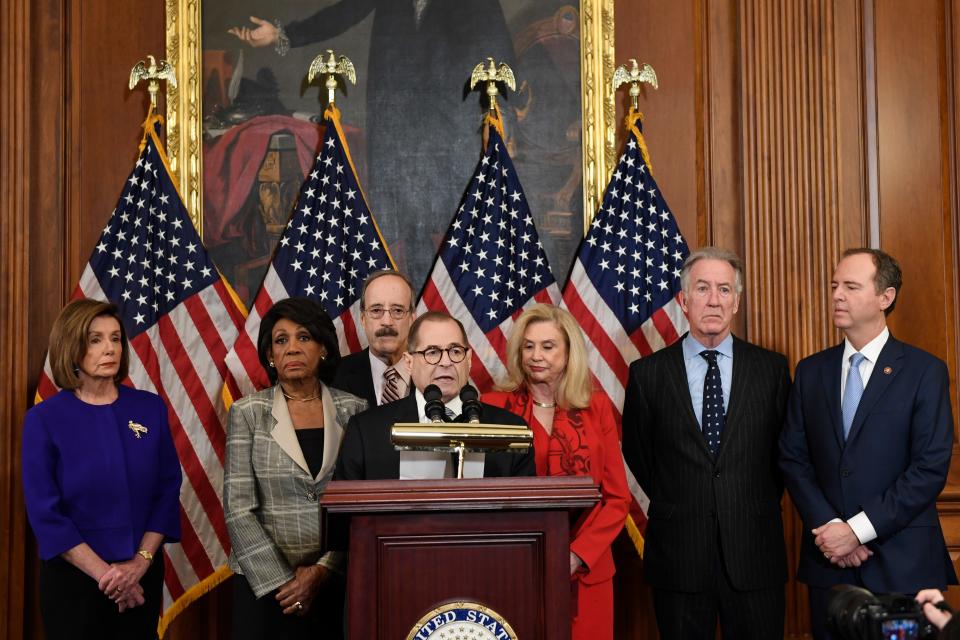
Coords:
789,131
784,130
69,137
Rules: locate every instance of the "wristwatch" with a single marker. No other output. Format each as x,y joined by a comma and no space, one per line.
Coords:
145,554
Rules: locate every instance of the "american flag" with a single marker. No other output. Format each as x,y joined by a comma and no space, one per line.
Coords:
180,317
328,248
491,264
624,284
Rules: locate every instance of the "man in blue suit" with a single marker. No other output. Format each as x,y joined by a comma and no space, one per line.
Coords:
866,447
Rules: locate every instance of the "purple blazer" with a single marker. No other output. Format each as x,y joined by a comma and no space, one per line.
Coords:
87,477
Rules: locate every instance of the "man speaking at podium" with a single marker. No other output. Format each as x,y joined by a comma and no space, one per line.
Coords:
437,355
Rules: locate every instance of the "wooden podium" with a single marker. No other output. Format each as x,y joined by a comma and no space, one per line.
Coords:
416,545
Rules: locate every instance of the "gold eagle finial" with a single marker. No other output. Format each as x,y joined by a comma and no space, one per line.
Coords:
153,72
634,76
490,73
331,68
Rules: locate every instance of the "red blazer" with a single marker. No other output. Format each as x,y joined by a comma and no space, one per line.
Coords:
596,529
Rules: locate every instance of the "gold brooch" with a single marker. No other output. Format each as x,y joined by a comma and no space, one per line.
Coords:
137,428
888,370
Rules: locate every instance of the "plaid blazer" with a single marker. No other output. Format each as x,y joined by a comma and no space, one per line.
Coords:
270,499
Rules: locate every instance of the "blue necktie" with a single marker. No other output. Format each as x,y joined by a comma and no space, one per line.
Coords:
712,414
852,392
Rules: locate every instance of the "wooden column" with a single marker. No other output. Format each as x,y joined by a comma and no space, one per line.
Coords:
14,292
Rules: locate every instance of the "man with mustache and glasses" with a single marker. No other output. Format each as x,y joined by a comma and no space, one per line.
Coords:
378,373
438,355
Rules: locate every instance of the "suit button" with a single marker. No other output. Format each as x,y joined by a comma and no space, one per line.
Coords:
311,496
844,473
716,474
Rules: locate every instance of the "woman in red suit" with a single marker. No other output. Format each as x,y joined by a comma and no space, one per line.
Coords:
574,434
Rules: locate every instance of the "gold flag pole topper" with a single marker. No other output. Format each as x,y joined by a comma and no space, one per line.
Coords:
154,73
492,74
634,76
331,68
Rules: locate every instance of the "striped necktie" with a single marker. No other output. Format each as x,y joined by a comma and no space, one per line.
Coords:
391,386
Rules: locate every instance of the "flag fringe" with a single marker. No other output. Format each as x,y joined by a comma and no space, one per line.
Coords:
631,121
635,536
493,119
192,594
150,132
332,114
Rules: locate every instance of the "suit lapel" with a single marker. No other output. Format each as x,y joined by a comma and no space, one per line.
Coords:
284,434
406,412
680,387
739,389
879,382
363,379
332,432
830,379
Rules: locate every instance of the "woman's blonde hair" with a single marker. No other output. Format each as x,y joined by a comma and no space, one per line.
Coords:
68,340
575,386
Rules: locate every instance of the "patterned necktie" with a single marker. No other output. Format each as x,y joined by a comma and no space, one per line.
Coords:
391,386
852,392
712,416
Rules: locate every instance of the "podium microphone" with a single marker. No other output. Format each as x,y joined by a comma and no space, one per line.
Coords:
471,404
434,408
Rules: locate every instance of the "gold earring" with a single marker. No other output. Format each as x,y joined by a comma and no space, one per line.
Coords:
271,365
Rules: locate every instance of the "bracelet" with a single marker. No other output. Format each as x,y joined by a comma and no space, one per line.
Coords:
146,555
283,42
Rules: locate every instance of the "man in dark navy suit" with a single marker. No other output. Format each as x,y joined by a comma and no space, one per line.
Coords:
439,356
378,374
866,447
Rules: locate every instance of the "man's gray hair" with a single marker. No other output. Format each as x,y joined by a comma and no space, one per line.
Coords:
382,273
712,253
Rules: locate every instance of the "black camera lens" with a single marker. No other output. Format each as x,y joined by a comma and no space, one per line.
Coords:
846,608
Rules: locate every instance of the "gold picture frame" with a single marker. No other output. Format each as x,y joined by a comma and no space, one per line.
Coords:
184,135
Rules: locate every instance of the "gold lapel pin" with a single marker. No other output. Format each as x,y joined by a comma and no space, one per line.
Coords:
888,370
137,428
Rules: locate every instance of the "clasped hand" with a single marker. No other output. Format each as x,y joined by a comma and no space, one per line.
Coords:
121,582
840,545
302,589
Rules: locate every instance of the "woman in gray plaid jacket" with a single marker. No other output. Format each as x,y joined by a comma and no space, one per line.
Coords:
282,446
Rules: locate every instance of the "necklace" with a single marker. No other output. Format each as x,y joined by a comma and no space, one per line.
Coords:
545,405
295,399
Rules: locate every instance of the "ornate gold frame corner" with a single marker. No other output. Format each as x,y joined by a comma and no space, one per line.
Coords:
184,102
597,101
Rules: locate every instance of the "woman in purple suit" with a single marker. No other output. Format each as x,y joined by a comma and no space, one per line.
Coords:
101,481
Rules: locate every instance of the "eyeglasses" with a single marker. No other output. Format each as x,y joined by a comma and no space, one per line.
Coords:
433,355
397,313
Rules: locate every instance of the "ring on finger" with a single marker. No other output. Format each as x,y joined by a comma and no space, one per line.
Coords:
298,605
